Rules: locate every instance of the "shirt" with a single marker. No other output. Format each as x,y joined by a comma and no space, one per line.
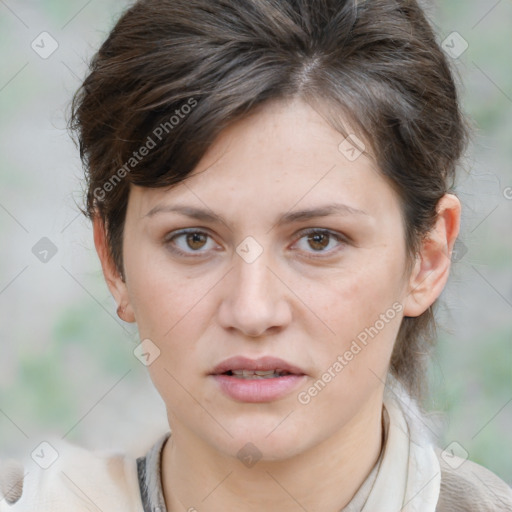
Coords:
84,480
465,485
149,475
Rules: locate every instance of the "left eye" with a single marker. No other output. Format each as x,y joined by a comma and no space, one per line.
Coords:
319,239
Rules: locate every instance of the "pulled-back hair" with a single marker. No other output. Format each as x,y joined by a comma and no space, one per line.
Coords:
172,74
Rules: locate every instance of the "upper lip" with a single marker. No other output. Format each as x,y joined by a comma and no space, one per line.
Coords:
263,363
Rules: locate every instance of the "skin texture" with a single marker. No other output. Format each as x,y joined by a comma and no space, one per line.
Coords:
302,300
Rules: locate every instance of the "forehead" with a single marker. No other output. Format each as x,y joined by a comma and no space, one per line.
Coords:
282,156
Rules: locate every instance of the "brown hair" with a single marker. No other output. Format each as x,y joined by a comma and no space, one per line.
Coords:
172,74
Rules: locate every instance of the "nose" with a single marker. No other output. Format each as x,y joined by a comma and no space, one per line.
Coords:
255,298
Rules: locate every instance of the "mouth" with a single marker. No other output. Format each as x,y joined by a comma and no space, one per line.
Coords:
263,368
257,374
257,380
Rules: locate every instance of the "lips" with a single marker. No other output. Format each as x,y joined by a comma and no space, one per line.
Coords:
257,367
266,379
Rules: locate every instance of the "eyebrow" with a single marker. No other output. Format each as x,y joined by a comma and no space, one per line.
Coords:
285,218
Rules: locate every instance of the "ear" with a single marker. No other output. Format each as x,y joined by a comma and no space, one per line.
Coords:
115,282
432,267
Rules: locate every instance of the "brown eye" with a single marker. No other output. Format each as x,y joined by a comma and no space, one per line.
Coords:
319,240
188,243
195,240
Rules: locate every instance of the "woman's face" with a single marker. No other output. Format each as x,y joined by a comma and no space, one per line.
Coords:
256,284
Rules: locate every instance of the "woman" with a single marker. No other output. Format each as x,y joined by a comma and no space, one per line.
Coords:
270,190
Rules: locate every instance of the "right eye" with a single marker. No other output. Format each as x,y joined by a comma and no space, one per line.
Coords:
192,241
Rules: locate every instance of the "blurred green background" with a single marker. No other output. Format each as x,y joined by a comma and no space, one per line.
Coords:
67,363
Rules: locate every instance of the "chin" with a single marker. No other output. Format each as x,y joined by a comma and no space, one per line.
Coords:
261,439
249,452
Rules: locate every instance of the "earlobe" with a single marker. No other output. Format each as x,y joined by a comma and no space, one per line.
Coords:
115,282
432,267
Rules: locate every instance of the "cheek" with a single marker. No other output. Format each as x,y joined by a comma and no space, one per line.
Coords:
361,294
162,295
366,320
362,306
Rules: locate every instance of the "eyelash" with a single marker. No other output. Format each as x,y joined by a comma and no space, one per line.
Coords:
311,231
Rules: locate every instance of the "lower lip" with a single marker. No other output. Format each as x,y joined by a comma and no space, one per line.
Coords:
258,390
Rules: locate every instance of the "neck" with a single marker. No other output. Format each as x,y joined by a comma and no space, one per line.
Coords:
323,478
